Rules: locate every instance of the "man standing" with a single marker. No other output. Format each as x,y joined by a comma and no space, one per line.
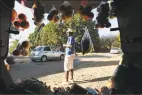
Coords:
69,56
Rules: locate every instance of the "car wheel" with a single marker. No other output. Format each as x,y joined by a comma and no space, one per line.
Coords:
62,57
44,58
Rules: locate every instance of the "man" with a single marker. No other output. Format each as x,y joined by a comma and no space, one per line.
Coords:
69,56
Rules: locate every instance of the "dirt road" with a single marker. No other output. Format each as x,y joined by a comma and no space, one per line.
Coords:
90,70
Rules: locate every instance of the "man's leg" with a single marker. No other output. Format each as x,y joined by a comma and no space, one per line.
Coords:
71,71
66,75
66,69
71,66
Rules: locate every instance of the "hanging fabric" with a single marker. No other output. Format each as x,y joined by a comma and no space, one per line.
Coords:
38,12
13,30
53,14
40,27
22,24
86,42
85,10
20,20
66,9
84,2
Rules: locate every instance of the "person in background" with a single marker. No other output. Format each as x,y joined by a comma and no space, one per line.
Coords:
69,56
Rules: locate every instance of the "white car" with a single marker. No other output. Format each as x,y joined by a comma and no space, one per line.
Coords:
115,51
43,53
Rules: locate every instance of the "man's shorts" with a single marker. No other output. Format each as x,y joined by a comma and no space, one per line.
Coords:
68,62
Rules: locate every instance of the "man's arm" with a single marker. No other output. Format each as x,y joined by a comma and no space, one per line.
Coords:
67,45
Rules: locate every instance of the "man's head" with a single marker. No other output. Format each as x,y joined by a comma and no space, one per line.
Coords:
69,32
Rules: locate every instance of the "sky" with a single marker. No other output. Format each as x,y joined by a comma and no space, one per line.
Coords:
28,12
23,35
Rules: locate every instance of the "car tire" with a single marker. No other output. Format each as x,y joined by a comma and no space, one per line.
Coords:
62,57
44,58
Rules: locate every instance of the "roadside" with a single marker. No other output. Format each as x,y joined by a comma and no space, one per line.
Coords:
90,70
90,73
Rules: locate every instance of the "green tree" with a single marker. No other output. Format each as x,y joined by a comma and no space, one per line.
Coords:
33,39
118,37
76,24
117,42
110,41
106,41
13,46
49,34
55,33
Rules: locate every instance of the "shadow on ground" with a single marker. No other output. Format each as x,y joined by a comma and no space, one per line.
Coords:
95,56
89,64
94,80
41,69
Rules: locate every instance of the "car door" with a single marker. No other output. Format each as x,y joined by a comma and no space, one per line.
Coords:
48,52
55,52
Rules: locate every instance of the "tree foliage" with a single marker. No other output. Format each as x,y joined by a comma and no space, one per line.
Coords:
55,33
13,46
117,42
118,37
110,41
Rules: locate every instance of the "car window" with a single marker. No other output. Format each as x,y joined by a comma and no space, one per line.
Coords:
37,49
53,49
47,49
